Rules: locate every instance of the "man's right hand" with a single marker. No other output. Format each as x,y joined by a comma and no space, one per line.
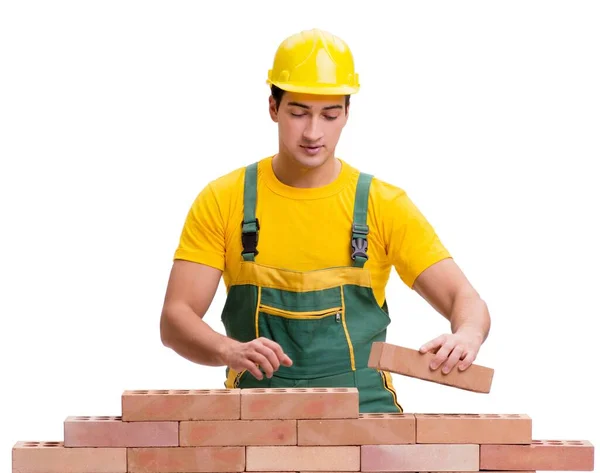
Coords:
261,351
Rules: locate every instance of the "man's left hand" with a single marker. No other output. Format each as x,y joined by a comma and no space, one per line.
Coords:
452,348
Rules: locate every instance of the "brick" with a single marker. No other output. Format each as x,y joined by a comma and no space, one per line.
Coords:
474,428
178,405
540,455
419,457
54,457
413,363
303,458
368,429
299,403
237,432
112,431
186,459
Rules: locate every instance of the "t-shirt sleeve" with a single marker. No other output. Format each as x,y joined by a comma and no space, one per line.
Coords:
202,239
412,242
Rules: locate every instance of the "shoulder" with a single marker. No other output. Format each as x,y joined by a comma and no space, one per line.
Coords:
225,183
384,190
229,185
221,197
381,190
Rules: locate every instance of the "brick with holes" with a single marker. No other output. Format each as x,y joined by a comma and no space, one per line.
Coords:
474,428
112,431
299,403
369,428
540,455
54,457
413,363
178,405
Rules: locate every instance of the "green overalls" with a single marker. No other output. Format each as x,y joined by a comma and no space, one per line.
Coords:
325,320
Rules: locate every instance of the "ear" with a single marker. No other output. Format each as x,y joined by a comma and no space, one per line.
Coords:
346,115
273,109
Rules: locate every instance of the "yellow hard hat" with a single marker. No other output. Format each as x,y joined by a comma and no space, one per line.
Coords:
314,62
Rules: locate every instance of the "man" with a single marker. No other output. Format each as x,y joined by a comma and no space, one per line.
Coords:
305,243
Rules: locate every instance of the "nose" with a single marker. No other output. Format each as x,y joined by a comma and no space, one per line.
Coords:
312,132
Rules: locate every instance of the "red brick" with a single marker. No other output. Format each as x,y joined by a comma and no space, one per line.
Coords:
474,428
299,403
540,455
186,459
368,429
112,431
413,363
419,457
177,405
303,458
238,432
54,457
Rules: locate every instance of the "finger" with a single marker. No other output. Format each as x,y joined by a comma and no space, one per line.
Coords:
253,369
453,359
432,344
468,360
441,355
268,353
283,358
263,362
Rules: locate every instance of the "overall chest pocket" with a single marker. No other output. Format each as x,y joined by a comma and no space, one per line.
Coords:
315,338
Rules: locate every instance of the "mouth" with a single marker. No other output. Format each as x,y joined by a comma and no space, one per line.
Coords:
311,149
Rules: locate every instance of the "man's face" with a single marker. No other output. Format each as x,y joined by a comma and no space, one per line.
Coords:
309,126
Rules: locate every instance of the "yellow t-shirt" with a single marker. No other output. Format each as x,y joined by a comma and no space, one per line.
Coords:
305,229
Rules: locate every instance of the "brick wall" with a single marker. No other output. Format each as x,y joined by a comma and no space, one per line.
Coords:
299,430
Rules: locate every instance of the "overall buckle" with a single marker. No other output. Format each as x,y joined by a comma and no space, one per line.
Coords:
250,236
360,245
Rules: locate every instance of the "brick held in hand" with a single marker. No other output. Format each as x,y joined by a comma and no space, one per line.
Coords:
413,363
178,405
112,431
54,457
420,458
299,403
540,455
474,428
303,458
369,428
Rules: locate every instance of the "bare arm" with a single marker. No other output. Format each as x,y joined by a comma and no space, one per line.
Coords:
447,290
190,292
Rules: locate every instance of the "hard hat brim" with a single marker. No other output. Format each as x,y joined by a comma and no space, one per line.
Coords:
316,89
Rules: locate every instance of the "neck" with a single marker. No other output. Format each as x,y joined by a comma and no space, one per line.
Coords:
294,174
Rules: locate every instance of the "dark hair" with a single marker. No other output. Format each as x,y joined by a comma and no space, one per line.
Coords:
277,94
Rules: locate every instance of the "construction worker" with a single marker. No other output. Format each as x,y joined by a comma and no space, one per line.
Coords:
305,243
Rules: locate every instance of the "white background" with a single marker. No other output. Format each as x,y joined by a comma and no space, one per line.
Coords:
115,114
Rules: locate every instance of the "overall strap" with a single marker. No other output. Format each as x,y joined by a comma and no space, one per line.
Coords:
360,229
250,225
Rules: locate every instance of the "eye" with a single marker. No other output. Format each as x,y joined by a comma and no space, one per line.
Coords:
330,118
297,114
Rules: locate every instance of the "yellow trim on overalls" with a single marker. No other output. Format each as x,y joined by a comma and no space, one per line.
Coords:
233,378
389,386
289,280
258,303
350,347
307,315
